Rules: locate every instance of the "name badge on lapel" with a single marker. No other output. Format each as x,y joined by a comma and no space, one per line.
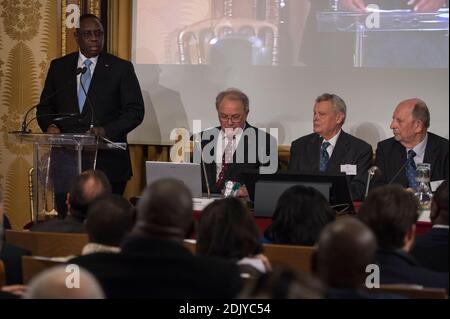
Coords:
348,169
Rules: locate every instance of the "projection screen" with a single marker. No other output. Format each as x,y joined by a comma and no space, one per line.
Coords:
283,54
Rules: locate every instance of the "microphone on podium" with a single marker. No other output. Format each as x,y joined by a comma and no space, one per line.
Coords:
371,173
401,168
25,123
197,141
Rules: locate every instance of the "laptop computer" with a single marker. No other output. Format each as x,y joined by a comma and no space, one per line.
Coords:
188,173
265,190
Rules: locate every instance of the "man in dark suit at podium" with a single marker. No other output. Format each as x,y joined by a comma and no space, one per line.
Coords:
114,105
331,150
235,145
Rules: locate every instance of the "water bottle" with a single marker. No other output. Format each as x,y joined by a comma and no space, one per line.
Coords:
423,192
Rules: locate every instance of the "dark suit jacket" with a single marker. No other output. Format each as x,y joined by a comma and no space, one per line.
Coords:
117,100
431,249
12,258
305,157
391,155
248,160
397,267
155,268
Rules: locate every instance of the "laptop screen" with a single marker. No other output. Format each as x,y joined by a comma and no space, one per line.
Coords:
188,173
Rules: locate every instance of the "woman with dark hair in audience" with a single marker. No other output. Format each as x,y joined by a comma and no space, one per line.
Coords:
299,217
227,230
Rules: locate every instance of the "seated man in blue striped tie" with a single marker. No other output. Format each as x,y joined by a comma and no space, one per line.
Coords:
329,149
412,144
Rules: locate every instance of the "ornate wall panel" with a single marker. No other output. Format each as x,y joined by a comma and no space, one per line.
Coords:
30,37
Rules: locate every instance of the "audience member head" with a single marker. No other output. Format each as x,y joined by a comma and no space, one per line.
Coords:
344,250
283,283
227,229
232,108
90,35
439,205
87,187
410,122
391,213
329,115
53,283
165,211
299,217
108,220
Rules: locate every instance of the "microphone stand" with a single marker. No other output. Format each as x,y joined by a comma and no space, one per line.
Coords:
91,105
25,124
208,190
371,172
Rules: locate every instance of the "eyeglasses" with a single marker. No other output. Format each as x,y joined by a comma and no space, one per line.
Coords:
88,34
234,118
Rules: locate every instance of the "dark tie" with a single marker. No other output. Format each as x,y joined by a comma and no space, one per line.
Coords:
86,81
411,170
324,157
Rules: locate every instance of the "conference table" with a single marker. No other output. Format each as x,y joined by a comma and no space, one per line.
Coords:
422,227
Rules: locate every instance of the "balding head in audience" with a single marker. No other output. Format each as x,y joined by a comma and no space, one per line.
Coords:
344,250
87,187
165,211
61,282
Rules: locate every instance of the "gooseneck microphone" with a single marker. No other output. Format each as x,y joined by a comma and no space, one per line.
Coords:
197,141
408,158
371,172
83,70
25,123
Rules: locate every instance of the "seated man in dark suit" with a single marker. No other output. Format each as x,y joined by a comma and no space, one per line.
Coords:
398,156
331,150
391,212
86,187
235,145
153,262
431,249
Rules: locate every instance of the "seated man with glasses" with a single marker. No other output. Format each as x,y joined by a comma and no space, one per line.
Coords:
113,107
235,145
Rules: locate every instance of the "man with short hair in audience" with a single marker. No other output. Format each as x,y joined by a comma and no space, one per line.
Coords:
109,220
52,284
431,249
329,149
345,248
398,156
392,212
153,262
87,186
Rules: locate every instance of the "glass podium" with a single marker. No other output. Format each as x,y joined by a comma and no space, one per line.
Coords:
361,24
57,160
